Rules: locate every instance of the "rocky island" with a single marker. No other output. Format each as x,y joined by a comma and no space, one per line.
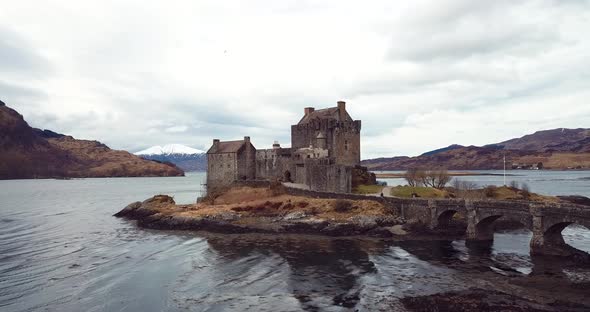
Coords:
267,210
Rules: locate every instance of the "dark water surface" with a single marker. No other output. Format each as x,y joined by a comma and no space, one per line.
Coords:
61,250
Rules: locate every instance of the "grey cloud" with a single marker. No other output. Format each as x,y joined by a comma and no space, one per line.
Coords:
474,28
19,58
11,93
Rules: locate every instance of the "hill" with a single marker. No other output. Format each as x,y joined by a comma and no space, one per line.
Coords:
548,149
186,158
563,140
26,152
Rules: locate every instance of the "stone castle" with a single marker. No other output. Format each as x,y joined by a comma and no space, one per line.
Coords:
324,155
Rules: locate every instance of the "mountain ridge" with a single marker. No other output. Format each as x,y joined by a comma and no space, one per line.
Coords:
185,157
169,149
27,152
560,148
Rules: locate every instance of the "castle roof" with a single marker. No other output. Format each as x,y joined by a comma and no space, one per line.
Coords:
325,113
226,147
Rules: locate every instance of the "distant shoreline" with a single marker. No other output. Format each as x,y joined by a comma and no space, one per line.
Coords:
453,174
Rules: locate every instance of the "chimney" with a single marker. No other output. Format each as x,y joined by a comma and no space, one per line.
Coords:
342,110
215,142
308,110
276,145
247,138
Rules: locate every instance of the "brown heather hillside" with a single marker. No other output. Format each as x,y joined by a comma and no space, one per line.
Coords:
555,149
27,152
563,140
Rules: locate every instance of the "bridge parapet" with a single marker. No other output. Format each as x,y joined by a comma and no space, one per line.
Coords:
546,220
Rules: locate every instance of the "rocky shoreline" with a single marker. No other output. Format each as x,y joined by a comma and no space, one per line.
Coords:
150,214
261,212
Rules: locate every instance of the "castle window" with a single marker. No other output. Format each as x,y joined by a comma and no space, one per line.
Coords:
346,145
228,165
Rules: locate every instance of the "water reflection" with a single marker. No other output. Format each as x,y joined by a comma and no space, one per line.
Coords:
314,273
321,271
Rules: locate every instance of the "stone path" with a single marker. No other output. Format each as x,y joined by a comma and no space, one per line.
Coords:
386,192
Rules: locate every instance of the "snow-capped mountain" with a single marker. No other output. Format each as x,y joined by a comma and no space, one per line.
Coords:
187,158
170,149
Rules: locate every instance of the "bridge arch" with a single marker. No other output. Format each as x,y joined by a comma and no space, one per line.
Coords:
548,238
443,212
481,224
444,218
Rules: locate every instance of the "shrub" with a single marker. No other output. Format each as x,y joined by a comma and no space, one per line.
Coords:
525,191
342,205
514,184
302,204
213,193
490,191
276,205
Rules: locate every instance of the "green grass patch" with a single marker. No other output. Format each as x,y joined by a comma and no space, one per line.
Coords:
421,191
368,189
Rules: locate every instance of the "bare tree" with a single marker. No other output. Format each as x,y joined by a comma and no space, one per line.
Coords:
437,178
514,184
441,178
414,176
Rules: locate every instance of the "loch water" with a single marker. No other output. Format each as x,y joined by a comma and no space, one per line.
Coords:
61,250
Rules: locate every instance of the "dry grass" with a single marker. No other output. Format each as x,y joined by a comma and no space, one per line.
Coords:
259,202
421,191
368,189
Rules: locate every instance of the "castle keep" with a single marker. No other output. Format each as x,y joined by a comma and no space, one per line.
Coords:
324,154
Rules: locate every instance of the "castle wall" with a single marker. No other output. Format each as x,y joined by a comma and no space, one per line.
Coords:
305,135
222,169
247,162
343,139
325,176
347,143
300,174
325,148
273,163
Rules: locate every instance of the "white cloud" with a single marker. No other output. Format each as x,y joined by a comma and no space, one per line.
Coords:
420,75
176,129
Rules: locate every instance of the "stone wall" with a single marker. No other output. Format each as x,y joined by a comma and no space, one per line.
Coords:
342,139
305,135
274,163
347,143
247,162
324,176
222,169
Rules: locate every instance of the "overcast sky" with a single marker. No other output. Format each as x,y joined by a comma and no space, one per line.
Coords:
420,75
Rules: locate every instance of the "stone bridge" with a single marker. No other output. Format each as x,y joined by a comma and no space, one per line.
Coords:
545,220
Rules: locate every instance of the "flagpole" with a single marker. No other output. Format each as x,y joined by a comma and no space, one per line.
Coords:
504,169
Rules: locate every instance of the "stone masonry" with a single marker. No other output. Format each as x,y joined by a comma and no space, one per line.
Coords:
324,154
